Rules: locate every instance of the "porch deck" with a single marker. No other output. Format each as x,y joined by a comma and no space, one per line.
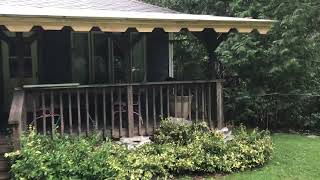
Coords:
116,110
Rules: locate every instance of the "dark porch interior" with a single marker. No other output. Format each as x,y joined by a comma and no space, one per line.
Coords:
120,82
82,57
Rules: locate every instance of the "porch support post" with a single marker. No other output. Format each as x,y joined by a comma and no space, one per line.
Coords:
219,105
130,111
17,117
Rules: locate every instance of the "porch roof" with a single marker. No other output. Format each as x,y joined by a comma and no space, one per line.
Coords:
22,17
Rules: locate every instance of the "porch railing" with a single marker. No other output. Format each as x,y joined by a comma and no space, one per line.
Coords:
116,110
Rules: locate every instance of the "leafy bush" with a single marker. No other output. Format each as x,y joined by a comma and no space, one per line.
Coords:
61,157
202,150
177,149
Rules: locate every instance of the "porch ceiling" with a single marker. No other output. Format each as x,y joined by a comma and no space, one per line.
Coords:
22,19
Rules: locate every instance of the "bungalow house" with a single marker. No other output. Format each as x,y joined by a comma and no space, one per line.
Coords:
102,65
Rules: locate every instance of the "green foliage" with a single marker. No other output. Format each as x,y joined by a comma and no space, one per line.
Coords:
178,149
63,157
284,61
189,64
214,7
206,151
181,134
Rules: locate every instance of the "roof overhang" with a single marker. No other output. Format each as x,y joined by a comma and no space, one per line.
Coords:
23,19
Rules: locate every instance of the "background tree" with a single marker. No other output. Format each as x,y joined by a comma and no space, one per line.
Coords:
270,78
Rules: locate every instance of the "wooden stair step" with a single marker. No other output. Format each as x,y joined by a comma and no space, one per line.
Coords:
4,166
4,141
4,175
5,148
2,158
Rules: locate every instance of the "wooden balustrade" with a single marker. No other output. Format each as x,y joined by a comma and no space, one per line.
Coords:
116,110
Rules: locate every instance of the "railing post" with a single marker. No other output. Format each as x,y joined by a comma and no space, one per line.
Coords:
130,111
17,116
219,104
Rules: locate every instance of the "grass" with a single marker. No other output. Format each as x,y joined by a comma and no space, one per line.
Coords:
296,157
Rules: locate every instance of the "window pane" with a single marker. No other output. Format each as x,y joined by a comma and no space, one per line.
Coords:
80,58
100,57
27,50
138,61
12,49
13,67
28,67
121,63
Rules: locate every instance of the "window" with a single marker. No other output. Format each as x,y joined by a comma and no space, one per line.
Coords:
138,57
80,58
124,70
105,58
14,62
100,57
120,58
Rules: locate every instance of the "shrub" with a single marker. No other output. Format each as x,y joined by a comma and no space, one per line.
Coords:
206,151
177,149
64,157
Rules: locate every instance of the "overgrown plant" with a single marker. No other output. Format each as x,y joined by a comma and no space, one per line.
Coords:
177,149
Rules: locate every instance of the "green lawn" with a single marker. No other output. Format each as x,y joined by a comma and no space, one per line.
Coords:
295,157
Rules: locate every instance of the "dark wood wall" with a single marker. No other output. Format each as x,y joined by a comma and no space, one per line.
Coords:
157,56
55,61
